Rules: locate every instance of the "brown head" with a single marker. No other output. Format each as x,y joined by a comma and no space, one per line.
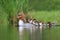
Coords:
21,16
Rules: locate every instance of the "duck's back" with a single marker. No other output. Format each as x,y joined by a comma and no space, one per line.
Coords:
28,25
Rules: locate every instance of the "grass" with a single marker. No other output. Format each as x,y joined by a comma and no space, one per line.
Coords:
46,16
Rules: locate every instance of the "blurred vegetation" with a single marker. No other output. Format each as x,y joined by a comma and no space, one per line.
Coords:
45,5
46,16
10,8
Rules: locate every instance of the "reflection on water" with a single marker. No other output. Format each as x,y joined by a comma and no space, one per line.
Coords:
12,33
8,33
35,35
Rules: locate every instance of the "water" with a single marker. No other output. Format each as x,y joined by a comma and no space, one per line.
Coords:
36,34
12,33
8,33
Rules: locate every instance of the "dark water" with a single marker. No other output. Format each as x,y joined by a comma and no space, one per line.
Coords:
8,33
